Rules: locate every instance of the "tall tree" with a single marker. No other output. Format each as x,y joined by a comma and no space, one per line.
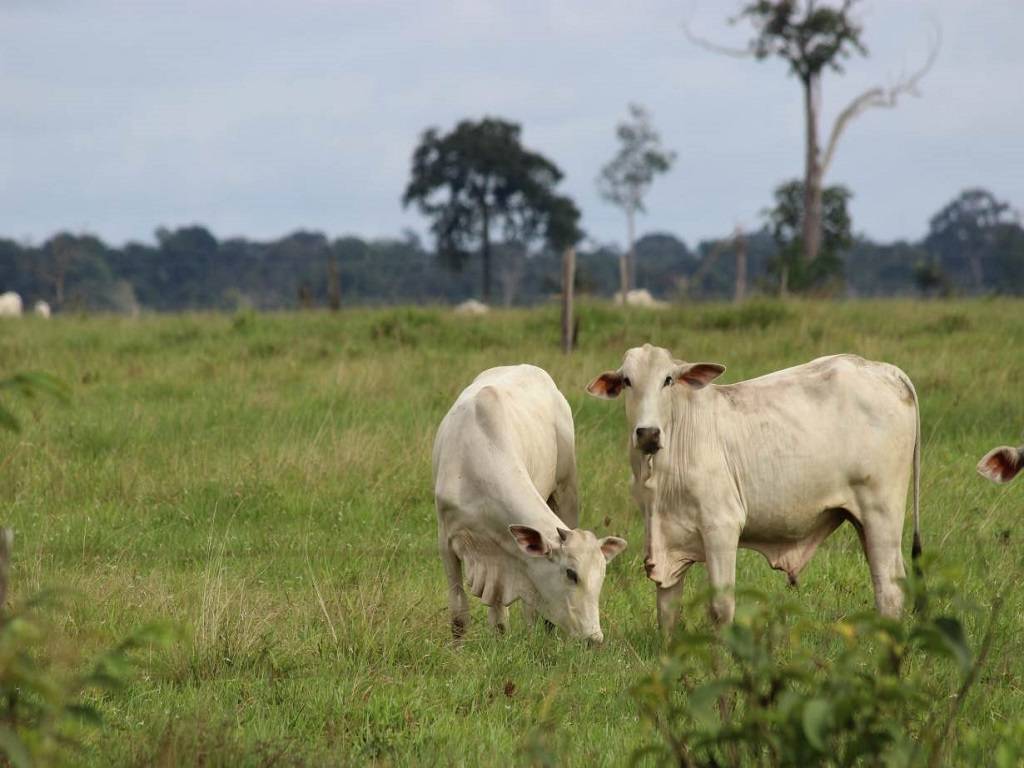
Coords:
478,181
813,37
628,176
784,221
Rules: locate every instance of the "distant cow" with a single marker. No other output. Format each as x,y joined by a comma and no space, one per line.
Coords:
505,487
41,308
471,307
10,304
1001,465
640,297
773,464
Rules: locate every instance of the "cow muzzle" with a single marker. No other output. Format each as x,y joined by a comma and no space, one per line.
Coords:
649,566
648,439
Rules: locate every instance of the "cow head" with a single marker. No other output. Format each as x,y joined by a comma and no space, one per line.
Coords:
650,377
567,573
1001,465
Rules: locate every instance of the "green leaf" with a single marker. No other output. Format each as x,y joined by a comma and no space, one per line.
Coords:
817,723
13,748
703,702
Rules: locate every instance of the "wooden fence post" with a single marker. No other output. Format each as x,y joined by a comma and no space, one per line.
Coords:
741,266
568,285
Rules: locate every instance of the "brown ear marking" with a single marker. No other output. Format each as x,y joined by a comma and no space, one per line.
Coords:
607,386
700,374
612,546
529,539
1001,465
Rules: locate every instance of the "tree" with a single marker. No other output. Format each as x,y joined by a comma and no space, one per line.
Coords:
969,228
628,176
479,179
785,220
812,38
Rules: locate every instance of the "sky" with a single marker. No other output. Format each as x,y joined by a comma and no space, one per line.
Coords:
259,118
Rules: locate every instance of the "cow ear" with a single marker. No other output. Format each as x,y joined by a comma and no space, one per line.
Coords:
1001,465
699,375
611,546
530,540
607,386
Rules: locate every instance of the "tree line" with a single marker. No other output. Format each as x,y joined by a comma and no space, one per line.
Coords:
974,246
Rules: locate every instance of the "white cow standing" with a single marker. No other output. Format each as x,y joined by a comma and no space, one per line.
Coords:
42,309
505,487
773,464
1001,465
10,304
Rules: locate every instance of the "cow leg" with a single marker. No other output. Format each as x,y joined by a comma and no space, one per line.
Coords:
497,617
669,600
458,603
720,552
883,548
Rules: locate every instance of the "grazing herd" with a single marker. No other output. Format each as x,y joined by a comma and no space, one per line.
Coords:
11,306
774,464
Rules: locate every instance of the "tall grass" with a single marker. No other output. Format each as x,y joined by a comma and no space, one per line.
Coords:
263,481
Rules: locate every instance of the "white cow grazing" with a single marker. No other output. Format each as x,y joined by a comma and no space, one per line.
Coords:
640,297
10,304
42,309
505,487
1001,465
773,464
471,307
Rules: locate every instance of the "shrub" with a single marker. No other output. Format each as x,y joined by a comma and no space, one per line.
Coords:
781,694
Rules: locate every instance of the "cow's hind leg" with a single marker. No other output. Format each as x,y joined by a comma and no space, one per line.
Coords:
881,528
458,603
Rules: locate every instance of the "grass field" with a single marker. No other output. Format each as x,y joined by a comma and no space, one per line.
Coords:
263,481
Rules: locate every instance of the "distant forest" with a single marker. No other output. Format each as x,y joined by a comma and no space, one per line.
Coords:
975,246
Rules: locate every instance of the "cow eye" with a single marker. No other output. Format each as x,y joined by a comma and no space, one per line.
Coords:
668,381
572,575
626,382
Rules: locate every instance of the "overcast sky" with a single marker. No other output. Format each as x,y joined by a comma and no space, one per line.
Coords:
258,118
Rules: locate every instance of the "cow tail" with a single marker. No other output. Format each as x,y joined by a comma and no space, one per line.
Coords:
915,551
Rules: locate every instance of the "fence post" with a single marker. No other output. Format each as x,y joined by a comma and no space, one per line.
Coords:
568,284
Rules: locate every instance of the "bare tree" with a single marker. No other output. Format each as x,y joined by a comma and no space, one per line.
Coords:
812,37
628,176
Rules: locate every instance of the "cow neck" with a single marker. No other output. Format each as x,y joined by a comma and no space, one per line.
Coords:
502,578
693,439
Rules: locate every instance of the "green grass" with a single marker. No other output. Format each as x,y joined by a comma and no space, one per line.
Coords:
264,482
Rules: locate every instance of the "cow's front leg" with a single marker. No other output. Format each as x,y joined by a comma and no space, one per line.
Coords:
720,551
497,615
669,600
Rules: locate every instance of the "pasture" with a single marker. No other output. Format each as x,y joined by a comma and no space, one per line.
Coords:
263,481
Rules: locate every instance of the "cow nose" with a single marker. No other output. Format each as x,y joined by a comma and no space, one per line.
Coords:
596,639
649,567
648,439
